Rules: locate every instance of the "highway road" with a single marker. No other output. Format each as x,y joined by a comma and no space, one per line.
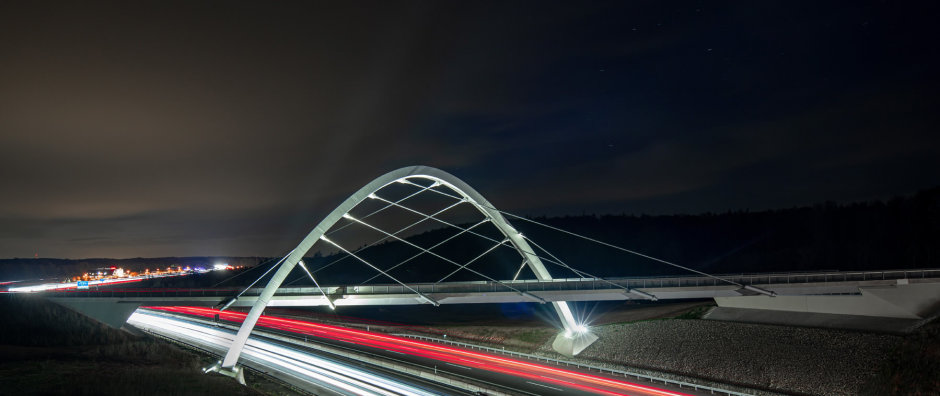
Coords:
315,373
510,375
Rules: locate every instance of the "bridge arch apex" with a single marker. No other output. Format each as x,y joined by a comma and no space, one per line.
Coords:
402,174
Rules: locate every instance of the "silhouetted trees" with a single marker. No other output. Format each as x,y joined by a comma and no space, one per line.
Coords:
900,233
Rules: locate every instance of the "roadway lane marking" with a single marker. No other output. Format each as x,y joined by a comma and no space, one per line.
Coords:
545,386
457,365
556,379
567,382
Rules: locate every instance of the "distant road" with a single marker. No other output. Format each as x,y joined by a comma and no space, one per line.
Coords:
512,375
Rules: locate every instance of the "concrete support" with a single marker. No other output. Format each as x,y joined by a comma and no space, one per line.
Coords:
111,313
893,308
904,301
570,344
237,372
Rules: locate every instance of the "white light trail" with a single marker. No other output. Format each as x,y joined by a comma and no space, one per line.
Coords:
337,376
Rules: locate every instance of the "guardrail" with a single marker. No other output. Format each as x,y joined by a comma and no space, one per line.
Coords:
639,376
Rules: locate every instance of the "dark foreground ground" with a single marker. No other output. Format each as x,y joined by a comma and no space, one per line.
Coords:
46,349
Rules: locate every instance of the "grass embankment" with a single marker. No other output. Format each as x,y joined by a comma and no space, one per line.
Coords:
46,349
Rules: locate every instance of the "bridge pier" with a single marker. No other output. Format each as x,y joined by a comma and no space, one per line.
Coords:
576,336
884,307
237,372
572,343
111,313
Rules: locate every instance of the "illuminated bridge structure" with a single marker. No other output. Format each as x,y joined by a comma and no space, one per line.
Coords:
812,289
573,340
818,285
776,292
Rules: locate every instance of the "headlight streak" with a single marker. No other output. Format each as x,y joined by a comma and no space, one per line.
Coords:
180,328
581,381
324,371
68,285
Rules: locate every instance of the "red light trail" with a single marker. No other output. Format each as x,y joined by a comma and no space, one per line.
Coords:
518,368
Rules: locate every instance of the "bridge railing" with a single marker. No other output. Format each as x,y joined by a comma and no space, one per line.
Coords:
649,282
529,285
831,276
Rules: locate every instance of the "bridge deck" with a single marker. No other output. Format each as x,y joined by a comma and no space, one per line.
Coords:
896,294
570,289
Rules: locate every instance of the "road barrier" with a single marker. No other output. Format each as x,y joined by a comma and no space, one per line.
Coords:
602,370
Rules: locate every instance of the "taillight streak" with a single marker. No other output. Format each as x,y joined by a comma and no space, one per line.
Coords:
434,351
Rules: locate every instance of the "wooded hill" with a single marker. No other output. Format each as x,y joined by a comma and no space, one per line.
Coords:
900,233
896,234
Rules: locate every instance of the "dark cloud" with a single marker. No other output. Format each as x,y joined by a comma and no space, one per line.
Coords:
182,128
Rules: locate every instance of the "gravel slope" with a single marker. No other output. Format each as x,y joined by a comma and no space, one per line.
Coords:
783,359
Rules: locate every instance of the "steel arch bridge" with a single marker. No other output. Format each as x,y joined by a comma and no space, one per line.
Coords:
572,341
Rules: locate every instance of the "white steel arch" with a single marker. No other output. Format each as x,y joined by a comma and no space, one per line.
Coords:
571,342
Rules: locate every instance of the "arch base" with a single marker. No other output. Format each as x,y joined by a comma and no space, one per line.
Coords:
572,344
237,372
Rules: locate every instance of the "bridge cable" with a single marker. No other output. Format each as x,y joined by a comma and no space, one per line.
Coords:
334,231
462,230
576,271
426,217
428,299
430,248
328,301
232,300
522,293
623,249
597,241
471,261
266,272
519,271
423,189
494,240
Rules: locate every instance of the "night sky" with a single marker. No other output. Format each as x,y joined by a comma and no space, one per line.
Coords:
229,128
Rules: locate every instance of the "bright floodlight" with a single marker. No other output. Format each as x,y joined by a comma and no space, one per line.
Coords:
581,329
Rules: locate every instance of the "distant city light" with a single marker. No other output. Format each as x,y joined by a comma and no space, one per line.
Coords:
111,275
